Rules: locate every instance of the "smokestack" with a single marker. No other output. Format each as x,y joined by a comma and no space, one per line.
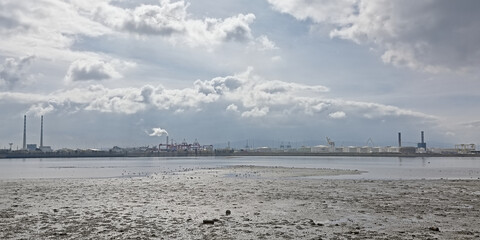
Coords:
41,132
24,132
399,139
167,142
423,139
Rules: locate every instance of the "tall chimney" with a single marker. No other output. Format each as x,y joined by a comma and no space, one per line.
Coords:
423,139
41,132
399,139
24,132
167,143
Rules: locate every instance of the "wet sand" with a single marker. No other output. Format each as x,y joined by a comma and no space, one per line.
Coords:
265,203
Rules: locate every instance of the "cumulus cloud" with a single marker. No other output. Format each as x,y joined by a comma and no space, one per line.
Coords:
47,28
171,20
232,107
337,115
12,71
265,44
157,132
245,93
51,29
164,19
430,36
330,11
85,70
256,112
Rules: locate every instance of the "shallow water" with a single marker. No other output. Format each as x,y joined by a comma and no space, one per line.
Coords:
376,168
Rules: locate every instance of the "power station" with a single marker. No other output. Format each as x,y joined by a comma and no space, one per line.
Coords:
420,148
33,147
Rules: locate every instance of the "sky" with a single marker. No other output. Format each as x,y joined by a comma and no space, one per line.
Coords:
125,73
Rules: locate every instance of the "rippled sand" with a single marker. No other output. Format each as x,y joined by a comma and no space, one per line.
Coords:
265,203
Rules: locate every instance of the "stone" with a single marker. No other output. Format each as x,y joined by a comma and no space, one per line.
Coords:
208,221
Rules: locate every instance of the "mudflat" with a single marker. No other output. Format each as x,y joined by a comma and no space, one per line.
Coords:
242,202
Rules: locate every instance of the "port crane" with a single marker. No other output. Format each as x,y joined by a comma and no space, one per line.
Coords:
331,143
465,148
370,142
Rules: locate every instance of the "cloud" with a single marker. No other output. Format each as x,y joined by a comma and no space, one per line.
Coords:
46,28
164,19
9,25
85,70
232,107
41,109
276,58
256,112
337,115
430,36
157,132
474,124
330,11
172,21
60,31
120,100
245,93
265,44
12,71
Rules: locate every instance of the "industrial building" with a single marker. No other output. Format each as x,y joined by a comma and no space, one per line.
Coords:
30,146
370,148
171,146
422,144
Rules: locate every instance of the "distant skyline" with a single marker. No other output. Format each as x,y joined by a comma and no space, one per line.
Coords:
124,73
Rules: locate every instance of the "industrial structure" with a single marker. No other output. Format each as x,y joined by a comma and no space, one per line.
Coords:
184,146
331,143
41,132
172,148
422,144
24,132
465,148
399,139
32,146
370,148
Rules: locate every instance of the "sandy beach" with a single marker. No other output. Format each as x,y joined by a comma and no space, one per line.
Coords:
263,203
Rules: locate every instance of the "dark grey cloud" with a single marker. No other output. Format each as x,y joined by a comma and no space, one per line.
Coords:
85,70
9,25
431,36
10,19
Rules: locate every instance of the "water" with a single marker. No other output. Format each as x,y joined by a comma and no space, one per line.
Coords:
377,168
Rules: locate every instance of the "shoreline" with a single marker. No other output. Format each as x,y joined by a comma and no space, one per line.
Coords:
264,203
13,155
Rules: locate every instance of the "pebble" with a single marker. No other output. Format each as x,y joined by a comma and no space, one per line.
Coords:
208,221
436,229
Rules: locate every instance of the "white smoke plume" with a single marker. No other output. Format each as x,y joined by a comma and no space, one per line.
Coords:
157,132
